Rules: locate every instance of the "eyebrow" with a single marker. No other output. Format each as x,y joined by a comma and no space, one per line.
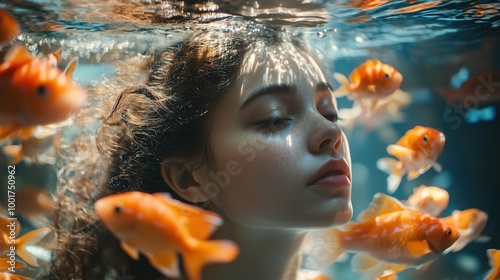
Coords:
280,89
270,90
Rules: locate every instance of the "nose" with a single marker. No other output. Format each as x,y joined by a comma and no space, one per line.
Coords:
326,136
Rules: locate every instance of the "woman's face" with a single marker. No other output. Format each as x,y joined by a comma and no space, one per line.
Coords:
281,159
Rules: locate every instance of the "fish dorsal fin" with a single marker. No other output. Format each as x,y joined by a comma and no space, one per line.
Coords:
18,55
130,250
381,204
372,62
199,222
57,54
418,248
71,67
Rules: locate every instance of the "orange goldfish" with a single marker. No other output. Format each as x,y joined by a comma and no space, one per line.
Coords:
34,93
388,111
429,199
470,223
9,27
483,88
28,239
386,232
9,276
35,204
494,261
370,81
4,264
160,227
33,147
417,151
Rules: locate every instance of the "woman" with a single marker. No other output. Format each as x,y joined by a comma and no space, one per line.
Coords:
245,126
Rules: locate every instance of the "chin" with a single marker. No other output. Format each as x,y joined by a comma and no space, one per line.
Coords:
337,213
342,217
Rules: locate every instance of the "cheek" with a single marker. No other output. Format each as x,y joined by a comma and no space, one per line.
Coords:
264,182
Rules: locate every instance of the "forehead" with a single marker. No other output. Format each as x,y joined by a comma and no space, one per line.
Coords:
279,63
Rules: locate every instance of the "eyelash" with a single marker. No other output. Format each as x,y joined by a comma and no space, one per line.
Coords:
333,117
271,123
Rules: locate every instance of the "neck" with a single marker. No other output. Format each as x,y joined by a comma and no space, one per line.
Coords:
265,254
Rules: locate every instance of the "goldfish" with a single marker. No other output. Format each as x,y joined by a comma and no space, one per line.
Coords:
33,147
417,151
429,199
9,276
470,223
494,261
4,264
370,81
160,227
28,239
386,232
9,27
388,111
480,89
34,93
34,204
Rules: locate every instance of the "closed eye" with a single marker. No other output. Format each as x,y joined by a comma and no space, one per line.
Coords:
332,117
274,124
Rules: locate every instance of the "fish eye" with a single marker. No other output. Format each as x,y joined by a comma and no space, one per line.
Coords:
118,209
387,76
425,138
448,232
41,91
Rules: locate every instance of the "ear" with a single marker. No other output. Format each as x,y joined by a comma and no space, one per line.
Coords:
180,179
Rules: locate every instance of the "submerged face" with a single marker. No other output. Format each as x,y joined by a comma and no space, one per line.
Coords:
281,160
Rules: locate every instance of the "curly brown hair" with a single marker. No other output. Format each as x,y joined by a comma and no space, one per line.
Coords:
166,114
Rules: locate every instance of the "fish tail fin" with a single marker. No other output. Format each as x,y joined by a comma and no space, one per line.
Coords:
494,261
344,85
204,252
325,250
14,153
349,117
30,238
390,165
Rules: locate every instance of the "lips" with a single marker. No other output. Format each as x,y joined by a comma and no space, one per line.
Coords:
332,173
